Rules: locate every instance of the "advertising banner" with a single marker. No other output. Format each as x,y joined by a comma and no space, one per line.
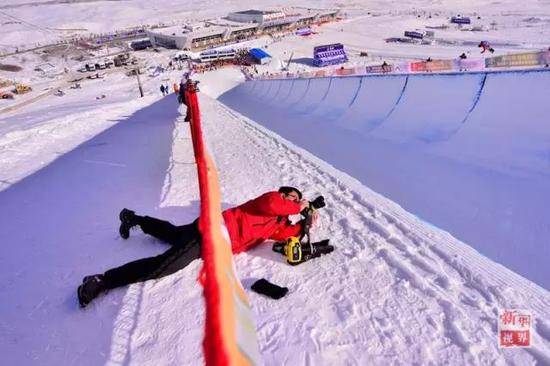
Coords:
359,70
544,58
518,59
343,72
378,69
525,59
439,65
402,67
320,73
418,66
470,64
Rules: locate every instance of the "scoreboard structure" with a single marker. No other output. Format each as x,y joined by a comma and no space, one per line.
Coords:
331,54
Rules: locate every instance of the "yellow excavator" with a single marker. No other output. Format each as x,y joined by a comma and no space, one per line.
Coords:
22,88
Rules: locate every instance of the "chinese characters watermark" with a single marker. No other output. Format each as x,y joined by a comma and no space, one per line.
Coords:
514,328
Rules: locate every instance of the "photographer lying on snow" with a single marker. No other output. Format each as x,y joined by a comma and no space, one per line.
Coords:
250,224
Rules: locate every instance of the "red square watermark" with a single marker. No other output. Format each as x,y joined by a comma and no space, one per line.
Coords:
514,328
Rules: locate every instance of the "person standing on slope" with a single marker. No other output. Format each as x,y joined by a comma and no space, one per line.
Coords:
485,46
185,81
249,224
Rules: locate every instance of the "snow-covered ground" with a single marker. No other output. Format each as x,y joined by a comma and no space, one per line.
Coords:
395,291
26,22
510,26
466,152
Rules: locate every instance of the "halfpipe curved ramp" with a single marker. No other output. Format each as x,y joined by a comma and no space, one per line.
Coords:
467,152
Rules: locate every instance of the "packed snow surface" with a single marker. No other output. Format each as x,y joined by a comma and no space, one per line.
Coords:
468,153
394,291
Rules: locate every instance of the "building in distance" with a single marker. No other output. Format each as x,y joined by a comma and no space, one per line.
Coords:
236,27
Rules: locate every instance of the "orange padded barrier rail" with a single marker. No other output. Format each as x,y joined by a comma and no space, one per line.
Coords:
230,334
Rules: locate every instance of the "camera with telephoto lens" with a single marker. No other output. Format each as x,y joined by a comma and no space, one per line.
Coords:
296,249
192,85
297,252
317,203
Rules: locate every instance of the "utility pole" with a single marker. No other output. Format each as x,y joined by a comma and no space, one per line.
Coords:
136,70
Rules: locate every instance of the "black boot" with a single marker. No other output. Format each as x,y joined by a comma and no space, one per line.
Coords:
91,287
128,219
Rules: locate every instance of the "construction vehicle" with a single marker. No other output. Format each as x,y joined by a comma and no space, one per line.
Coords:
5,95
134,71
22,88
97,75
122,59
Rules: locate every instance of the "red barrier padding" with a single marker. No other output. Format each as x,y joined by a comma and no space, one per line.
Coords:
230,335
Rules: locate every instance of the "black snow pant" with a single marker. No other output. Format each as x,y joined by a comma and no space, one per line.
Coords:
185,244
187,114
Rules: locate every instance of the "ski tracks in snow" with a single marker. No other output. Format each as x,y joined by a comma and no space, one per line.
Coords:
394,291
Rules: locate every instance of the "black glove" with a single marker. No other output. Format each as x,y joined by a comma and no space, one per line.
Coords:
267,288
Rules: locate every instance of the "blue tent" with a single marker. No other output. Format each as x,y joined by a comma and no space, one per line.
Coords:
460,20
260,55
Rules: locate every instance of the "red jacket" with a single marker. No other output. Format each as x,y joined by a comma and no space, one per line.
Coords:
264,217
